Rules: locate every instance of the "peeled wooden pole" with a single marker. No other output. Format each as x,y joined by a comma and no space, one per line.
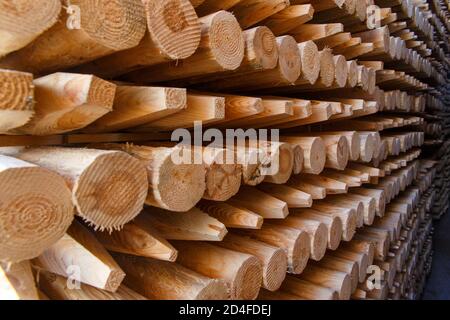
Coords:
36,209
163,165
221,48
78,252
16,99
353,140
231,216
122,27
173,34
289,18
136,105
307,290
139,239
348,218
293,197
67,102
161,280
250,12
193,225
23,21
337,151
108,187
211,6
296,243
17,282
242,272
361,259
55,287
281,161
335,280
338,264
273,259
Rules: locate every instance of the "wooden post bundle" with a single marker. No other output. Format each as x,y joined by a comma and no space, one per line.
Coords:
80,253
273,259
122,27
314,152
55,287
222,48
135,106
335,280
296,243
22,22
67,102
36,209
318,233
161,280
308,290
16,99
108,187
17,282
242,272
163,165
193,225
231,216
139,239
174,33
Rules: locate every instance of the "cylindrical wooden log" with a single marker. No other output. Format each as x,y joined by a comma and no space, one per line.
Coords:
161,280
242,272
360,258
55,287
347,216
36,209
335,280
281,161
16,99
349,267
105,27
18,281
23,21
273,259
173,34
308,290
108,187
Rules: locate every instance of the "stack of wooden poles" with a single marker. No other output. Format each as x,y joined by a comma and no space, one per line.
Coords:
94,206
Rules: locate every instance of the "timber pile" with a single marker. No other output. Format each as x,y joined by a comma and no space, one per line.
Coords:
340,207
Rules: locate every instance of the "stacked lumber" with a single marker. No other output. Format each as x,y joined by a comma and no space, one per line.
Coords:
337,203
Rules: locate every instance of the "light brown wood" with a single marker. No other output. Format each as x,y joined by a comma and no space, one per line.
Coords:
211,6
81,257
295,242
338,264
56,287
348,218
36,209
193,225
231,216
289,18
23,21
281,161
273,259
161,280
139,239
17,281
316,192
163,164
307,290
135,106
66,102
314,152
108,187
293,197
317,231
361,259
16,99
242,272
123,27
222,47
250,12
173,33
335,280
